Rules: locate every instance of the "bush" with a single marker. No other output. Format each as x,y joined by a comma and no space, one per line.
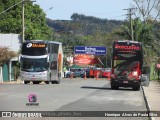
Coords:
153,72
6,55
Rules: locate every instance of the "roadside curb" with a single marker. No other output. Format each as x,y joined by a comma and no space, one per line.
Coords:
12,82
147,104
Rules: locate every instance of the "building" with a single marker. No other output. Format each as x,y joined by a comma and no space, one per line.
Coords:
13,42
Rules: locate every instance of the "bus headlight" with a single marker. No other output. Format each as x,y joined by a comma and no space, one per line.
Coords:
135,73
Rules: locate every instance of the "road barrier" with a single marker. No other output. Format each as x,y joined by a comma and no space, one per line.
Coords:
109,77
97,76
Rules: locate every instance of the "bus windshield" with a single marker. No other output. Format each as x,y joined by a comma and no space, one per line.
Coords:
34,65
124,68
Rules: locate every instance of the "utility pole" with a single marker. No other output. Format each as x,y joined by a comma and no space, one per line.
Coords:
23,20
130,13
23,29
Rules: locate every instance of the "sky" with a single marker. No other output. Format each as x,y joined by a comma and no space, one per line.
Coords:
104,9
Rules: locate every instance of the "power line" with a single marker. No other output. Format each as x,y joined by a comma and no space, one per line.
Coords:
10,7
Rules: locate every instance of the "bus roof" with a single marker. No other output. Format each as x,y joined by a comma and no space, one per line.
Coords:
28,41
55,42
127,41
44,41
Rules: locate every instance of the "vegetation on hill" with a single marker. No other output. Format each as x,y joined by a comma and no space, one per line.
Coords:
92,31
84,30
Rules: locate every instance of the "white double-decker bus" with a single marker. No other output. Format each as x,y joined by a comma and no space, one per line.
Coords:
41,60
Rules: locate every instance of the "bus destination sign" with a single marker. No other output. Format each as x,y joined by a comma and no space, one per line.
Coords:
33,45
127,47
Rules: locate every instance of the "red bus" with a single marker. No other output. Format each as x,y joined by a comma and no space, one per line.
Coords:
127,61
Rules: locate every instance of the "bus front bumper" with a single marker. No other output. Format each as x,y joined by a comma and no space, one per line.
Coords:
125,83
40,76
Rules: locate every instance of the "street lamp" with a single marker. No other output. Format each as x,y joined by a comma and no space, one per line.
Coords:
41,14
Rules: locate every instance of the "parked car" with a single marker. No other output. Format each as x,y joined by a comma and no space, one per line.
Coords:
76,72
68,74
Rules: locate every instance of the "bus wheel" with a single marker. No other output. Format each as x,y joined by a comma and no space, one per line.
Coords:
53,82
114,87
26,82
56,82
136,88
36,82
47,82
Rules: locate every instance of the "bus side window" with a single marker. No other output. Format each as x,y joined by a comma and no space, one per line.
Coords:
53,65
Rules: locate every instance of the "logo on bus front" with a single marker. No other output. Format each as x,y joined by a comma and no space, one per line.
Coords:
29,45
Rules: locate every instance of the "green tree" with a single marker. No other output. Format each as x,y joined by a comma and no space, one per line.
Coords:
142,31
35,21
149,12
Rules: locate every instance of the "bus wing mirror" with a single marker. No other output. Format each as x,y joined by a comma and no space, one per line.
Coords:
47,59
19,58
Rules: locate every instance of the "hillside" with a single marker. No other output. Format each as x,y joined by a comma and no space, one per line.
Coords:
84,25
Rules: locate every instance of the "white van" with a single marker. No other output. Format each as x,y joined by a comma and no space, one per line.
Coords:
77,72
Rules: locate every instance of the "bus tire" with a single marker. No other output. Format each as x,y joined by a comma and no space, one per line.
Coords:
26,82
36,82
56,82
53,82
114,87
136,88
47,82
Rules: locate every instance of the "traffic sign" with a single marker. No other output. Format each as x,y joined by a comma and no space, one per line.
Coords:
90,50
158,65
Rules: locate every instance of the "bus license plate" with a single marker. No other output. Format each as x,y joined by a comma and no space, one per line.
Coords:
125,81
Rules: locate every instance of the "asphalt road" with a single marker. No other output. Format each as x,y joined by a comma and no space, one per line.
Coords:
73,95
